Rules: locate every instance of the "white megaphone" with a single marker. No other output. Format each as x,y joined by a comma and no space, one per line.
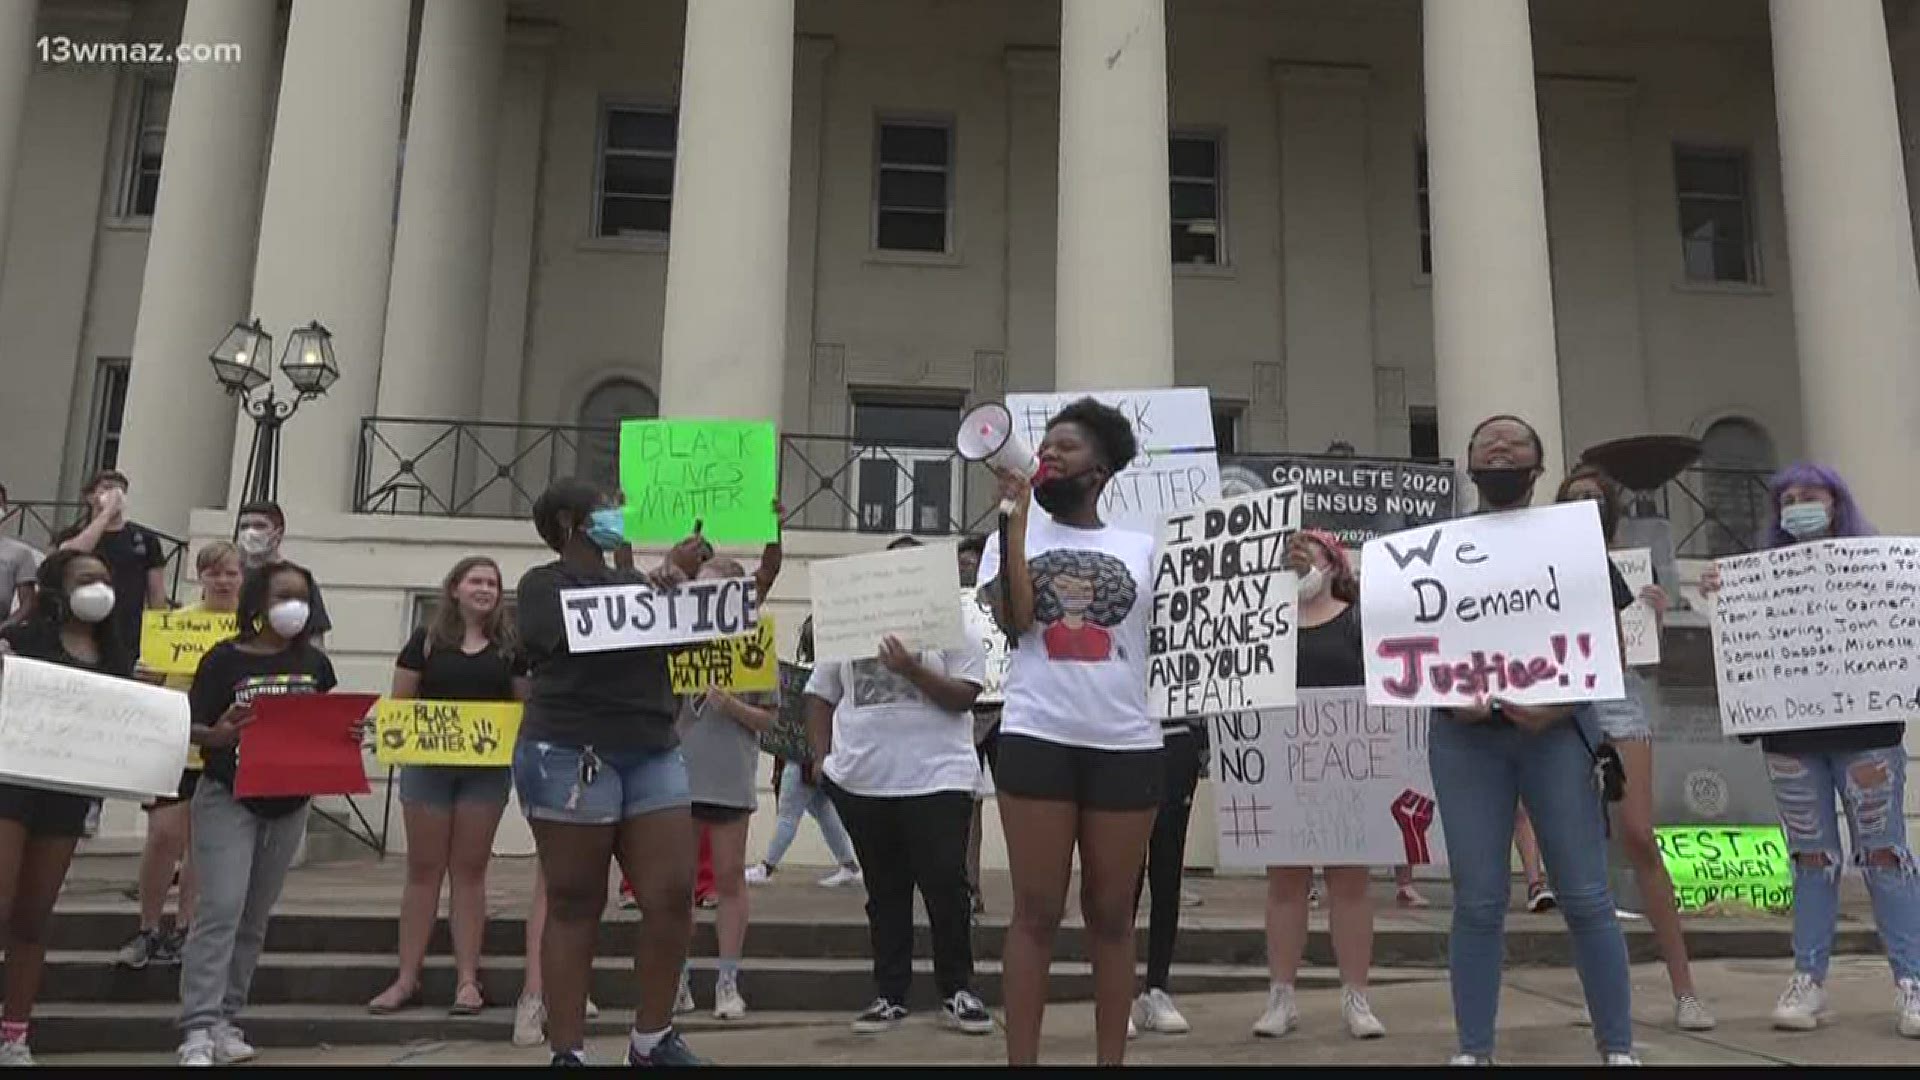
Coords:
986,435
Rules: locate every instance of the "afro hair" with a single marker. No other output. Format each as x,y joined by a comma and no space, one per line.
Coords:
1112,434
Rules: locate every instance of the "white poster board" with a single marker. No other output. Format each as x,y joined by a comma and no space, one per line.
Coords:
908,594
1639,626
1177,468
1221,637
64,729
1815,635
608,617
1332,781
980,627
1516,606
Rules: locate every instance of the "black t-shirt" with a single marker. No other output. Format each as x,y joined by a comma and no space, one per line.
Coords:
318,622
1623,594
617,700
38,640
1330,654
448,674
228,675
129,553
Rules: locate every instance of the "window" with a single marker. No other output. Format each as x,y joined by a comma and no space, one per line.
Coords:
149,138
636,171
906,478
1735,457
1193,168
1423,433
109,408
1421,198
1226,428
605,406
1716,219
913,188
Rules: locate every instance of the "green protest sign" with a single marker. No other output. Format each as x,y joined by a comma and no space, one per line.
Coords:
717,472
1744,865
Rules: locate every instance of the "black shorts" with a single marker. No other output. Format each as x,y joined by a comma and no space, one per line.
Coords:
189,783
45,813
1094,779
715,814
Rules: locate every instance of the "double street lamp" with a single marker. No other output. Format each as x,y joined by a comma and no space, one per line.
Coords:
242,362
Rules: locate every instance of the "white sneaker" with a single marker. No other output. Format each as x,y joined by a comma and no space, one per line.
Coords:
1469,1059
844,875
15,1053
593,1011
230,1047
1690,1014
1906,998
1282,1014
727,1002
1361,1023
1154,1011
197,1051
1132,1031
1801,1004
683,999
759,873
1622,1059
529,1022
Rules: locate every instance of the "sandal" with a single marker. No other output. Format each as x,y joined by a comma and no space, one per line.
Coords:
468,1008
387,1004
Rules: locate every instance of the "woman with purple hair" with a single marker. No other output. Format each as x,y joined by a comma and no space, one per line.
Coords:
1864,766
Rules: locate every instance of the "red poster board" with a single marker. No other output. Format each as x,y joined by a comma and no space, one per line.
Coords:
303,744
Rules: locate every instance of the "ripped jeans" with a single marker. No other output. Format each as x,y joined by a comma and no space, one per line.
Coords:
1871,785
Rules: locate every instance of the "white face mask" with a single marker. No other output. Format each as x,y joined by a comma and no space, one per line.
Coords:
288,617
254,543
1312,584
91,603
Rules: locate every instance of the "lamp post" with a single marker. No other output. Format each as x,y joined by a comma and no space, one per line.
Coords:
242,362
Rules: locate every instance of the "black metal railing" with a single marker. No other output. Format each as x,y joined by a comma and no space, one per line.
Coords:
40,523
1714,511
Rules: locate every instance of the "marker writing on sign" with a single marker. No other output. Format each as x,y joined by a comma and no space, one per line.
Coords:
1481,673
723,606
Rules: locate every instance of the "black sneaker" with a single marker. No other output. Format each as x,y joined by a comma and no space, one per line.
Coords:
882,1015
964,1012
668,1052
564,1058
171,944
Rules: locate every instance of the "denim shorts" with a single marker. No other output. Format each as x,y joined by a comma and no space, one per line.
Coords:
441,786
583,786
1629,718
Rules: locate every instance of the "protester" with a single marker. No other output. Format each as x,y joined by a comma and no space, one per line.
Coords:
18,561
986,734
895,739
132,552
530,1012
170,821
242,848
1186,750
1864,766
71,625
260,527
600,778
1628,725
1329,655
1080,761
451,812
1488,758
796,792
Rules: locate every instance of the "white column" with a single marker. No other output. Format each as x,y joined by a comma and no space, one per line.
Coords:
199,267
1856,302
723,349
1493,341
1114,325
17,53
326,228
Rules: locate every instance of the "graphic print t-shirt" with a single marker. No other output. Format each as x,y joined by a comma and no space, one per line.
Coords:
1079,676
889,740
228,676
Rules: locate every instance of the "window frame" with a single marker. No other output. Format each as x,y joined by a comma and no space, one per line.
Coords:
1234,411
946,122
603,112
934,451
136,130
581,451
1217,135
1743,156
107,370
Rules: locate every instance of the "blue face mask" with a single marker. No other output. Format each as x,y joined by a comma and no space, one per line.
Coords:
1806,520
605,529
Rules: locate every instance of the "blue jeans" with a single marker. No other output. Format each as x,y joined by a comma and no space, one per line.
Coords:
1480,772
796,798
578,785
1871,785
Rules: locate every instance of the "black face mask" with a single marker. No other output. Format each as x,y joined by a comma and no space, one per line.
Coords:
1502,487
1059,494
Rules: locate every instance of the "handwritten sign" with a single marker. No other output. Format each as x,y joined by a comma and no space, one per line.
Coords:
787,738
1355,499
418,732
1516,606
1332,781
908,594
303,745
1221,636
1177,468
64,729
608,617
1747,865
981,628
1818,635
717,472
172,642
740,663
1639,626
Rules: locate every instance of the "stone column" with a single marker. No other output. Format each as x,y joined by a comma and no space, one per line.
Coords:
1856,303
17,54
1033,206
199,268
1114,325
326,229
1493,340
723,349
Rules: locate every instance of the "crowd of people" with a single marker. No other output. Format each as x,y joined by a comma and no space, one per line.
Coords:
611,767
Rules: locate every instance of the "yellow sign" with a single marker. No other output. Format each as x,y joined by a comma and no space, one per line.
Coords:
737,663
413,732
172,642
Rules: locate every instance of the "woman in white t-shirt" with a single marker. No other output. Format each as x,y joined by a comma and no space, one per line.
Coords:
1079,759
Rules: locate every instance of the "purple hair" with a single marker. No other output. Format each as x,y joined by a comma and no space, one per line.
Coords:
1847,518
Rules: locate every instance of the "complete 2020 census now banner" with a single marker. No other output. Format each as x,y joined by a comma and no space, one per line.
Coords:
1825,634
1177,467
1355,499
1516,606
